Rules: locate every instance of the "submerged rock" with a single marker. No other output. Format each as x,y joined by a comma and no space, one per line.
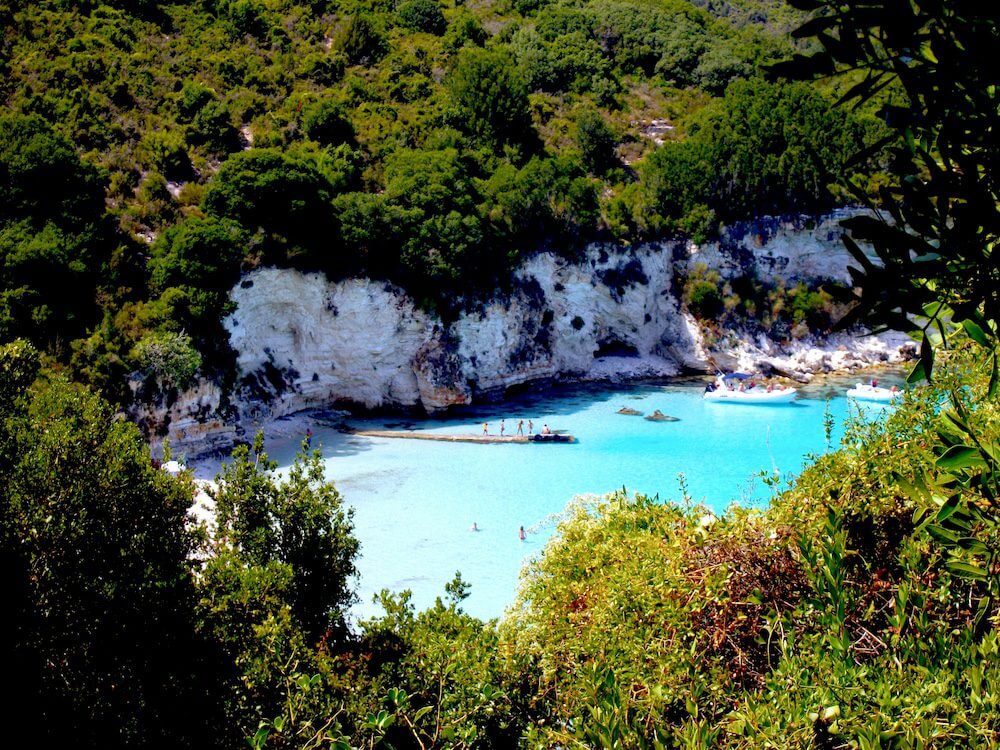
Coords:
629,412
659,416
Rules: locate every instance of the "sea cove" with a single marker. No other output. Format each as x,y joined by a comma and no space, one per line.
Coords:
415,501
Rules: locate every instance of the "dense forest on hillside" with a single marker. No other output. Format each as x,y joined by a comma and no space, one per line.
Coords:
859,610
152,151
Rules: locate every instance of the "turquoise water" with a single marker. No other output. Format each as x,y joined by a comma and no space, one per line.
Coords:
415,501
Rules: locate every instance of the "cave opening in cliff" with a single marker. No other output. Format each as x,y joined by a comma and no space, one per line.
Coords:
615,348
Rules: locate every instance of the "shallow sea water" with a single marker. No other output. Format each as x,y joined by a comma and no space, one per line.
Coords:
414,501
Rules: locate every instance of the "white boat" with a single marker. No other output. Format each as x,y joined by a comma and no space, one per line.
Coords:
869,392
723,394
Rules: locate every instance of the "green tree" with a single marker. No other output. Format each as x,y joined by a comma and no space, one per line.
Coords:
326,123
43,178
490,99
274,594
596,142
464,30
192,267
208,121
284,194
422,15
444,242
360,40
170,357
775,148
53,240
299,522
102,559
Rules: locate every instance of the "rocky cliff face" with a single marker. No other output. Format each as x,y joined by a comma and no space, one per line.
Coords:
304,342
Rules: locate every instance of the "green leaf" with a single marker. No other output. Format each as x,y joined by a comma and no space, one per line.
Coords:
975,333
948,508
967,569
991,391
960,457
942,534
918,374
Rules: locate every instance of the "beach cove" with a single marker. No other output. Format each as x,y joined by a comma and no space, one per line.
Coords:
415,501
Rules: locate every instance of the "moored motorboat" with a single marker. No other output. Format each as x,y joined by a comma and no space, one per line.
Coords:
723,392
870,392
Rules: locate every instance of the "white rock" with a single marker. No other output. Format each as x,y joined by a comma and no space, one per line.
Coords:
303,341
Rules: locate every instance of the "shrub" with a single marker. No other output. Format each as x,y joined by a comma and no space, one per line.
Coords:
170,357
360,40
283,193
464,30
490,98
596,142
208,121
422,15
164,151
325,69
702,293
325,123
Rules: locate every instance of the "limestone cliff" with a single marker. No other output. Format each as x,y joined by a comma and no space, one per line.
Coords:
303,341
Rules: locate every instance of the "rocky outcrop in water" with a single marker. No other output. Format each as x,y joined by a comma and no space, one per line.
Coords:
304,342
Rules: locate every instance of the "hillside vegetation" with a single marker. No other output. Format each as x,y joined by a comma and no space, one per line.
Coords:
156,150
860,609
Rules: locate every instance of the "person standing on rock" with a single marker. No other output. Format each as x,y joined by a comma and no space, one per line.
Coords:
520,427
531,427
502,428
486,428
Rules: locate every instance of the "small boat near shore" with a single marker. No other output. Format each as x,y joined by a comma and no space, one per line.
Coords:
869,392
552,437
722,391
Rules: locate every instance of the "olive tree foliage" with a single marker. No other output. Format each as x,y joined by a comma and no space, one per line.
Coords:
99,635
935,231
934,234
298,522
274,594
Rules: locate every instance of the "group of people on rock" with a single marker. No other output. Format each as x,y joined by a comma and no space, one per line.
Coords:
520,428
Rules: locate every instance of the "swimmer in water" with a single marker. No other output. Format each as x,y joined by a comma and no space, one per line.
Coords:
474,527
521,535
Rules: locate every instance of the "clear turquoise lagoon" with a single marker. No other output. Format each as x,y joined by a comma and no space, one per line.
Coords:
414,501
